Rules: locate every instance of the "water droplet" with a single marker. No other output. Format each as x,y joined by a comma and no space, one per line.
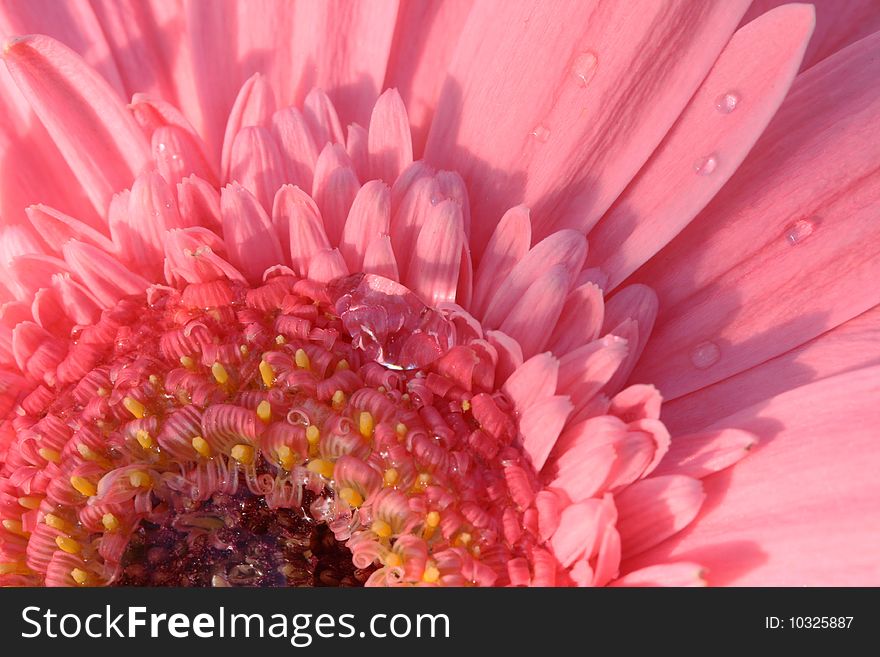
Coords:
160,147
705,355
799,231
584,67
389,323
706,164
541,133
726,103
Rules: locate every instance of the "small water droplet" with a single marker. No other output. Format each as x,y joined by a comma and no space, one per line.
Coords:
799,231
706,164
541,133
436,198
705,355
584,67
160,147
726,103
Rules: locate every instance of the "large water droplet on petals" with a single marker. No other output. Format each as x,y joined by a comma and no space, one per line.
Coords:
390,323
705,355
726,103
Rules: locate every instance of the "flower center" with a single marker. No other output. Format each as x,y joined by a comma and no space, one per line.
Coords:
209,434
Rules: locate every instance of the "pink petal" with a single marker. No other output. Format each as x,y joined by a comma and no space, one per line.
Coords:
334,188
97,136
534,315
357,147
327,265
199,202
838,24
586,370
256,163
297,146
178,155
380,259
103,275
253,106
581,528
654,509
783,214
566,248
699,455
368,220
636,304
540,425
56,228
850,346
583,457
433,270
752,76
666,574
508,245
424,43
295,212
802,509
250,238
322,119
580,321
596,88
532,381
389,142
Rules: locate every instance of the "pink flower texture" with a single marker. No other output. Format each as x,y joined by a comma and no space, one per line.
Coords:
346,292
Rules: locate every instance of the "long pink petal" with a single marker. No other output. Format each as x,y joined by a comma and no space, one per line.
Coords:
532,381
597,86
508,245
580,321
104,276
100,140
380,259
254,106
850,346
334,188
701,454
788,249
838,24
666,574
251,241
717,129
297,146
295,213
534,315
389,142
801,510
540,425
435,263
56,228
368,220
256,163
424,43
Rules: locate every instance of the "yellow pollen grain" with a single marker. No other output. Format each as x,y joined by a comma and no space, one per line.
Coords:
243,350
83,486
432,519
110,522
267,374
154,380
140,479
30,502
286,457
144,439
188,362
79,576
242,453
221,376
338,400
390,477
102,392
68,544
393,560
366,425
351,497
381,528
431,575
466,405
14,568
264,411
280,339
134,407
302,359
313,434
57,523
201,446
321,467
463,539
14,527
401,430
423,480
342,365
49,454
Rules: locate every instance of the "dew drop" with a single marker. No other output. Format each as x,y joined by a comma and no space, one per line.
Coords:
541,133
705,355
799,231
584,67
706,165
726,103
160,147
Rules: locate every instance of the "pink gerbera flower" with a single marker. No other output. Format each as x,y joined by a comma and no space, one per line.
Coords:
317,305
